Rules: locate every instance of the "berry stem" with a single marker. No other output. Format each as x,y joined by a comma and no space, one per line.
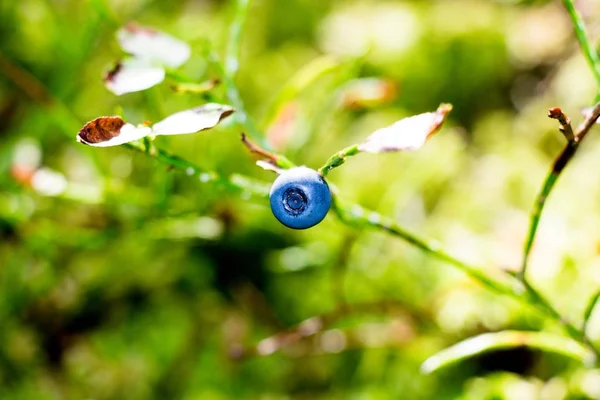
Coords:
338,159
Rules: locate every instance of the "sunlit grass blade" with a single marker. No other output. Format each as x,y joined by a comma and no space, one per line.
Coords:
507,340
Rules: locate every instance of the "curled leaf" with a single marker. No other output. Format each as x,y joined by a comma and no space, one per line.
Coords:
110,131
114,131
407,134
506,340
193,120
152,45
133,75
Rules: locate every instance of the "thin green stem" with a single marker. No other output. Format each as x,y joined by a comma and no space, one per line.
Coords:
353,215
575,333
232,62
357,216
235,183
558,166
543,304
539,204
338,159
230,67
582,37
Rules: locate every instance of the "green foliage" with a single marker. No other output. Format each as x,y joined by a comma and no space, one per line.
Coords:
158,271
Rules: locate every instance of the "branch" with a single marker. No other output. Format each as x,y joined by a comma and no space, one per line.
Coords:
559,165
588,123
277,160
565,122
355,215
235,183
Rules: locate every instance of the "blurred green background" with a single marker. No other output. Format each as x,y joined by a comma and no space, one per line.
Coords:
139,282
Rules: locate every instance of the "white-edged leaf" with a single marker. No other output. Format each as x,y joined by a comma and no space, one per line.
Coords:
407,134
193,120
157,47
507,340
114,131
111,131
132,75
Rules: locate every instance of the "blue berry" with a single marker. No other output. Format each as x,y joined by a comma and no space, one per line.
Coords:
300,198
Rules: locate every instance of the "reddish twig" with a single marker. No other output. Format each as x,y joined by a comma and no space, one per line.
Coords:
254,148
276,160
565,122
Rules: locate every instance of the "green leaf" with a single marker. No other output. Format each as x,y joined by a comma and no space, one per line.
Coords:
506,340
